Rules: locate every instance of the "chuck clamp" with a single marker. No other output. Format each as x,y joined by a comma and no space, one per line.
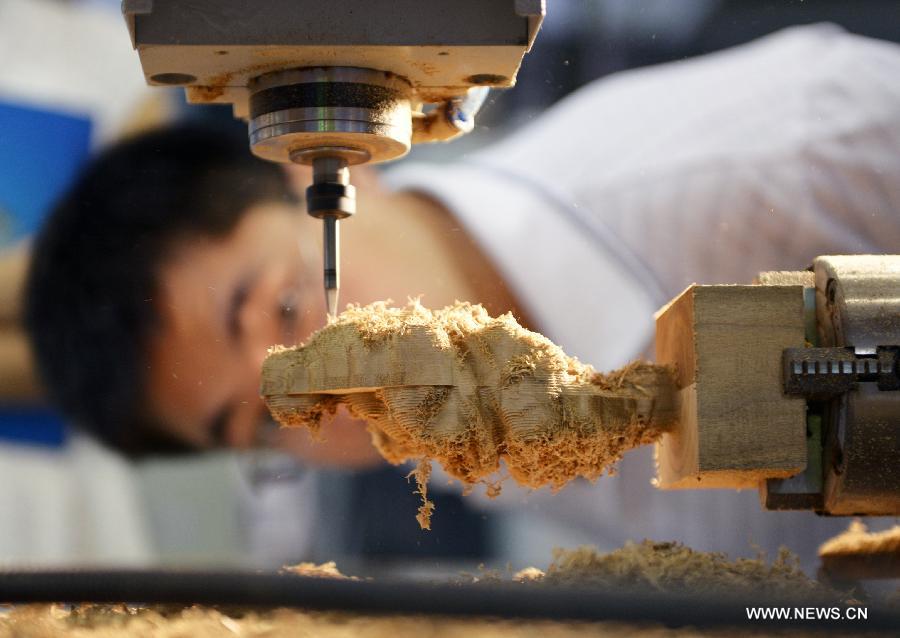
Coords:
822,373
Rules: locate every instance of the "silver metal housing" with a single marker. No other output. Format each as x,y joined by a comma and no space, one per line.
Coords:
858,305
853,437
361,115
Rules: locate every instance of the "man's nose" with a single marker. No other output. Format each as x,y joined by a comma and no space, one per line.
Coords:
260,333
249,408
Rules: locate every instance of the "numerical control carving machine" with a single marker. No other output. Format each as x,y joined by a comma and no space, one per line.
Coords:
791,385
338,83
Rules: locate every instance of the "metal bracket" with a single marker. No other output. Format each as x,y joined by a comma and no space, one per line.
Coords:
131,8
803,491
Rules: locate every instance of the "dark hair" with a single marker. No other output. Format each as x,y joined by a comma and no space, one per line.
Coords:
94,265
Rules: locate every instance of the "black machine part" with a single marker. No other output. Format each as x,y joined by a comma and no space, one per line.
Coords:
824,373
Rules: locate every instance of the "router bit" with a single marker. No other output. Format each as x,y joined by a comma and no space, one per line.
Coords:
330,198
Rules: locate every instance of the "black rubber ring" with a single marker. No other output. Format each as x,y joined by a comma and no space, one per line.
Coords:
319,94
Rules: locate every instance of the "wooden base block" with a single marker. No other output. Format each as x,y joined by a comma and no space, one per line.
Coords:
736,427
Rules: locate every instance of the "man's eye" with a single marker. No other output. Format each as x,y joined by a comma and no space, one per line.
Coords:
288,309
239,299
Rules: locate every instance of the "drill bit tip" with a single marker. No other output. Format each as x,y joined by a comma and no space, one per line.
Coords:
331,198
331,302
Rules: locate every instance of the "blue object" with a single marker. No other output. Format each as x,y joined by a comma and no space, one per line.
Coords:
41,152
32,426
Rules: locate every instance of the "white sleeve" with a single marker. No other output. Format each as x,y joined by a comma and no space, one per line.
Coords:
708,170
755,158
74,506
565,273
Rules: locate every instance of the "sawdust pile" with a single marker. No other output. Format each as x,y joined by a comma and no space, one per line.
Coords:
858,540
119,621
666,567
460,387
661,566
672,567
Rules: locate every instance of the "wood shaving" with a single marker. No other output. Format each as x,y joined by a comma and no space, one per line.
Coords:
858,540
325,570
529,574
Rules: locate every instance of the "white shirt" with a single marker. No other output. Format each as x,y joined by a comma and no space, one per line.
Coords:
76,505
709,170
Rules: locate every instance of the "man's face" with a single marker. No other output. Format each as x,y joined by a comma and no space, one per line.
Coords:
222,303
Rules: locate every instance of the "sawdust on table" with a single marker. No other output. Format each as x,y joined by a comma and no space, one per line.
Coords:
667,567
857,540
468,390
325,570
673,567
119,621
